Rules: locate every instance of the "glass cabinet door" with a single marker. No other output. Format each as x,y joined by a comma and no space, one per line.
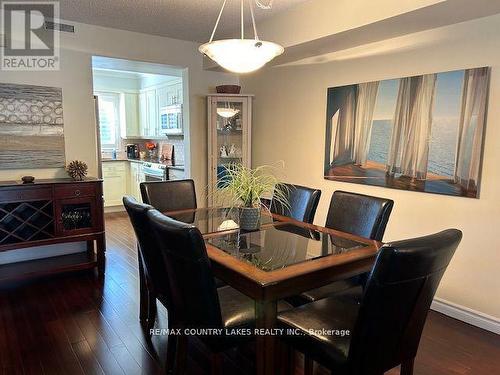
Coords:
230,131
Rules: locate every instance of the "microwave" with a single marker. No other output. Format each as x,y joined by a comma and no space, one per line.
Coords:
171,119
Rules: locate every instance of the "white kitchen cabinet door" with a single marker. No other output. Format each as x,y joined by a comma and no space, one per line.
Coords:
179,93
115,183
130,115
134,181
163,97
152,113
143,114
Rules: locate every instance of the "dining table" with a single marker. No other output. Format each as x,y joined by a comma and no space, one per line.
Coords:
281,259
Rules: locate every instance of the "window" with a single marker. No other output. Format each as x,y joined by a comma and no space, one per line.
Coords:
383,121
109,119
445,123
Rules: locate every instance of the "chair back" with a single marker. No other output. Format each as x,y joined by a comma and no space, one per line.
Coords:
396,301
303,202
362,215
152,261
169,195
195,302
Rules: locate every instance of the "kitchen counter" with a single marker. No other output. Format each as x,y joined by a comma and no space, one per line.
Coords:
166,163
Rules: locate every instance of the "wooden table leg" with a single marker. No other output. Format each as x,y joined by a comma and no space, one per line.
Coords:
265,313
101,254
90,247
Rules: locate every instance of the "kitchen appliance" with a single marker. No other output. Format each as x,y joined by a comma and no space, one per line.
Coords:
154,172
171,120
132,151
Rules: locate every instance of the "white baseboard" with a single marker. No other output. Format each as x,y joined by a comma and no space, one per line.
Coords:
111,209
467,315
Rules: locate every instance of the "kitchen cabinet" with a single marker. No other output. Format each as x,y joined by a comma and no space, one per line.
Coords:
136,177
148,112
164,96
129,112
115,182
153,103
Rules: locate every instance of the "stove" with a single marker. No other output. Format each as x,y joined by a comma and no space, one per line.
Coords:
154,171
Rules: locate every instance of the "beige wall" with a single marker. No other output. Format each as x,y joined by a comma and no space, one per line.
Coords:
75,79
289,125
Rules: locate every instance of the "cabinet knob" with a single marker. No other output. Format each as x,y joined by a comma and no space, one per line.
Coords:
77,193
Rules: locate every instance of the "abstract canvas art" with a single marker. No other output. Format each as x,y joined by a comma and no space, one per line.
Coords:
423,133
31,127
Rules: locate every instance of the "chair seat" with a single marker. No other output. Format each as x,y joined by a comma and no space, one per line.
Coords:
328,290
313,319
238,312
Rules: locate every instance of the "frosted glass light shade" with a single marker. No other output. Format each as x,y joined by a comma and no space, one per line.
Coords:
227,112
241,55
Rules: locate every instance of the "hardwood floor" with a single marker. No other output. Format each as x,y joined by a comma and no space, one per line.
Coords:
77,324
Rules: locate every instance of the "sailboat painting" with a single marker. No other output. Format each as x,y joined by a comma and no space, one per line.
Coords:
423,133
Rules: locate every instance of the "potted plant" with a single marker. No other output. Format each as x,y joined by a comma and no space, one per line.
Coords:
243,188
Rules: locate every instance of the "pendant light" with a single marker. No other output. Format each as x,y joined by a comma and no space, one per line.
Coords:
241,55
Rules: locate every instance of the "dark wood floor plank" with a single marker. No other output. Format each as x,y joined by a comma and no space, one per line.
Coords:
88,361
98,346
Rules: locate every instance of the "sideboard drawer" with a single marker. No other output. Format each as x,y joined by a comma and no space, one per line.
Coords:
75,190
25,194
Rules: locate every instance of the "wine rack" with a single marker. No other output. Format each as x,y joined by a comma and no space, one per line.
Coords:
26,221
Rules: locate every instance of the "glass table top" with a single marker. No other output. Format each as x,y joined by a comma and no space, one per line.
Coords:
277,247
214,219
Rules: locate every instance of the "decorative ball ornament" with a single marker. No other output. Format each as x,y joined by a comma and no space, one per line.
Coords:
77,170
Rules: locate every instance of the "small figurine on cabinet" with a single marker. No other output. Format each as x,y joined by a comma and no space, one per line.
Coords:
232,150
223,151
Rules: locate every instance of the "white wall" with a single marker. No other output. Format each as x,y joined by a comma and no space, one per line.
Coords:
289,125
103,82
75,79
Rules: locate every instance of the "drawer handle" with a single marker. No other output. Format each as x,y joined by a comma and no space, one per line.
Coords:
77,193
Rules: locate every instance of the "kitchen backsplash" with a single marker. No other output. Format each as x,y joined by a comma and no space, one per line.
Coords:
176,141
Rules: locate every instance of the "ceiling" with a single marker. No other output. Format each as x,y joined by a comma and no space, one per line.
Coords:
181,19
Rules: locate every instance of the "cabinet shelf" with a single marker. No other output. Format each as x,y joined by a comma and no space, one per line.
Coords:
47,266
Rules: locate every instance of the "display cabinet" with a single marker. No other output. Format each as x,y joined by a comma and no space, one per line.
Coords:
229,136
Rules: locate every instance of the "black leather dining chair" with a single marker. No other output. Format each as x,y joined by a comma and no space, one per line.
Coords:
196,303
169,195
153,280
362,215
303,202
385,327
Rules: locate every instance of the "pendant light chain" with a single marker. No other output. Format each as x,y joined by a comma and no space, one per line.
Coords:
217,22
256,36
242,20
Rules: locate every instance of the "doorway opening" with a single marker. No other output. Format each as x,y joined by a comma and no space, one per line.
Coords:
142,122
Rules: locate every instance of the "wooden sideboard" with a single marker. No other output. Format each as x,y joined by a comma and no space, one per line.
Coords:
51,212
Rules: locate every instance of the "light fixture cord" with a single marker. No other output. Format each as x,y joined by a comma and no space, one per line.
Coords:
242,20
217,22
253,20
